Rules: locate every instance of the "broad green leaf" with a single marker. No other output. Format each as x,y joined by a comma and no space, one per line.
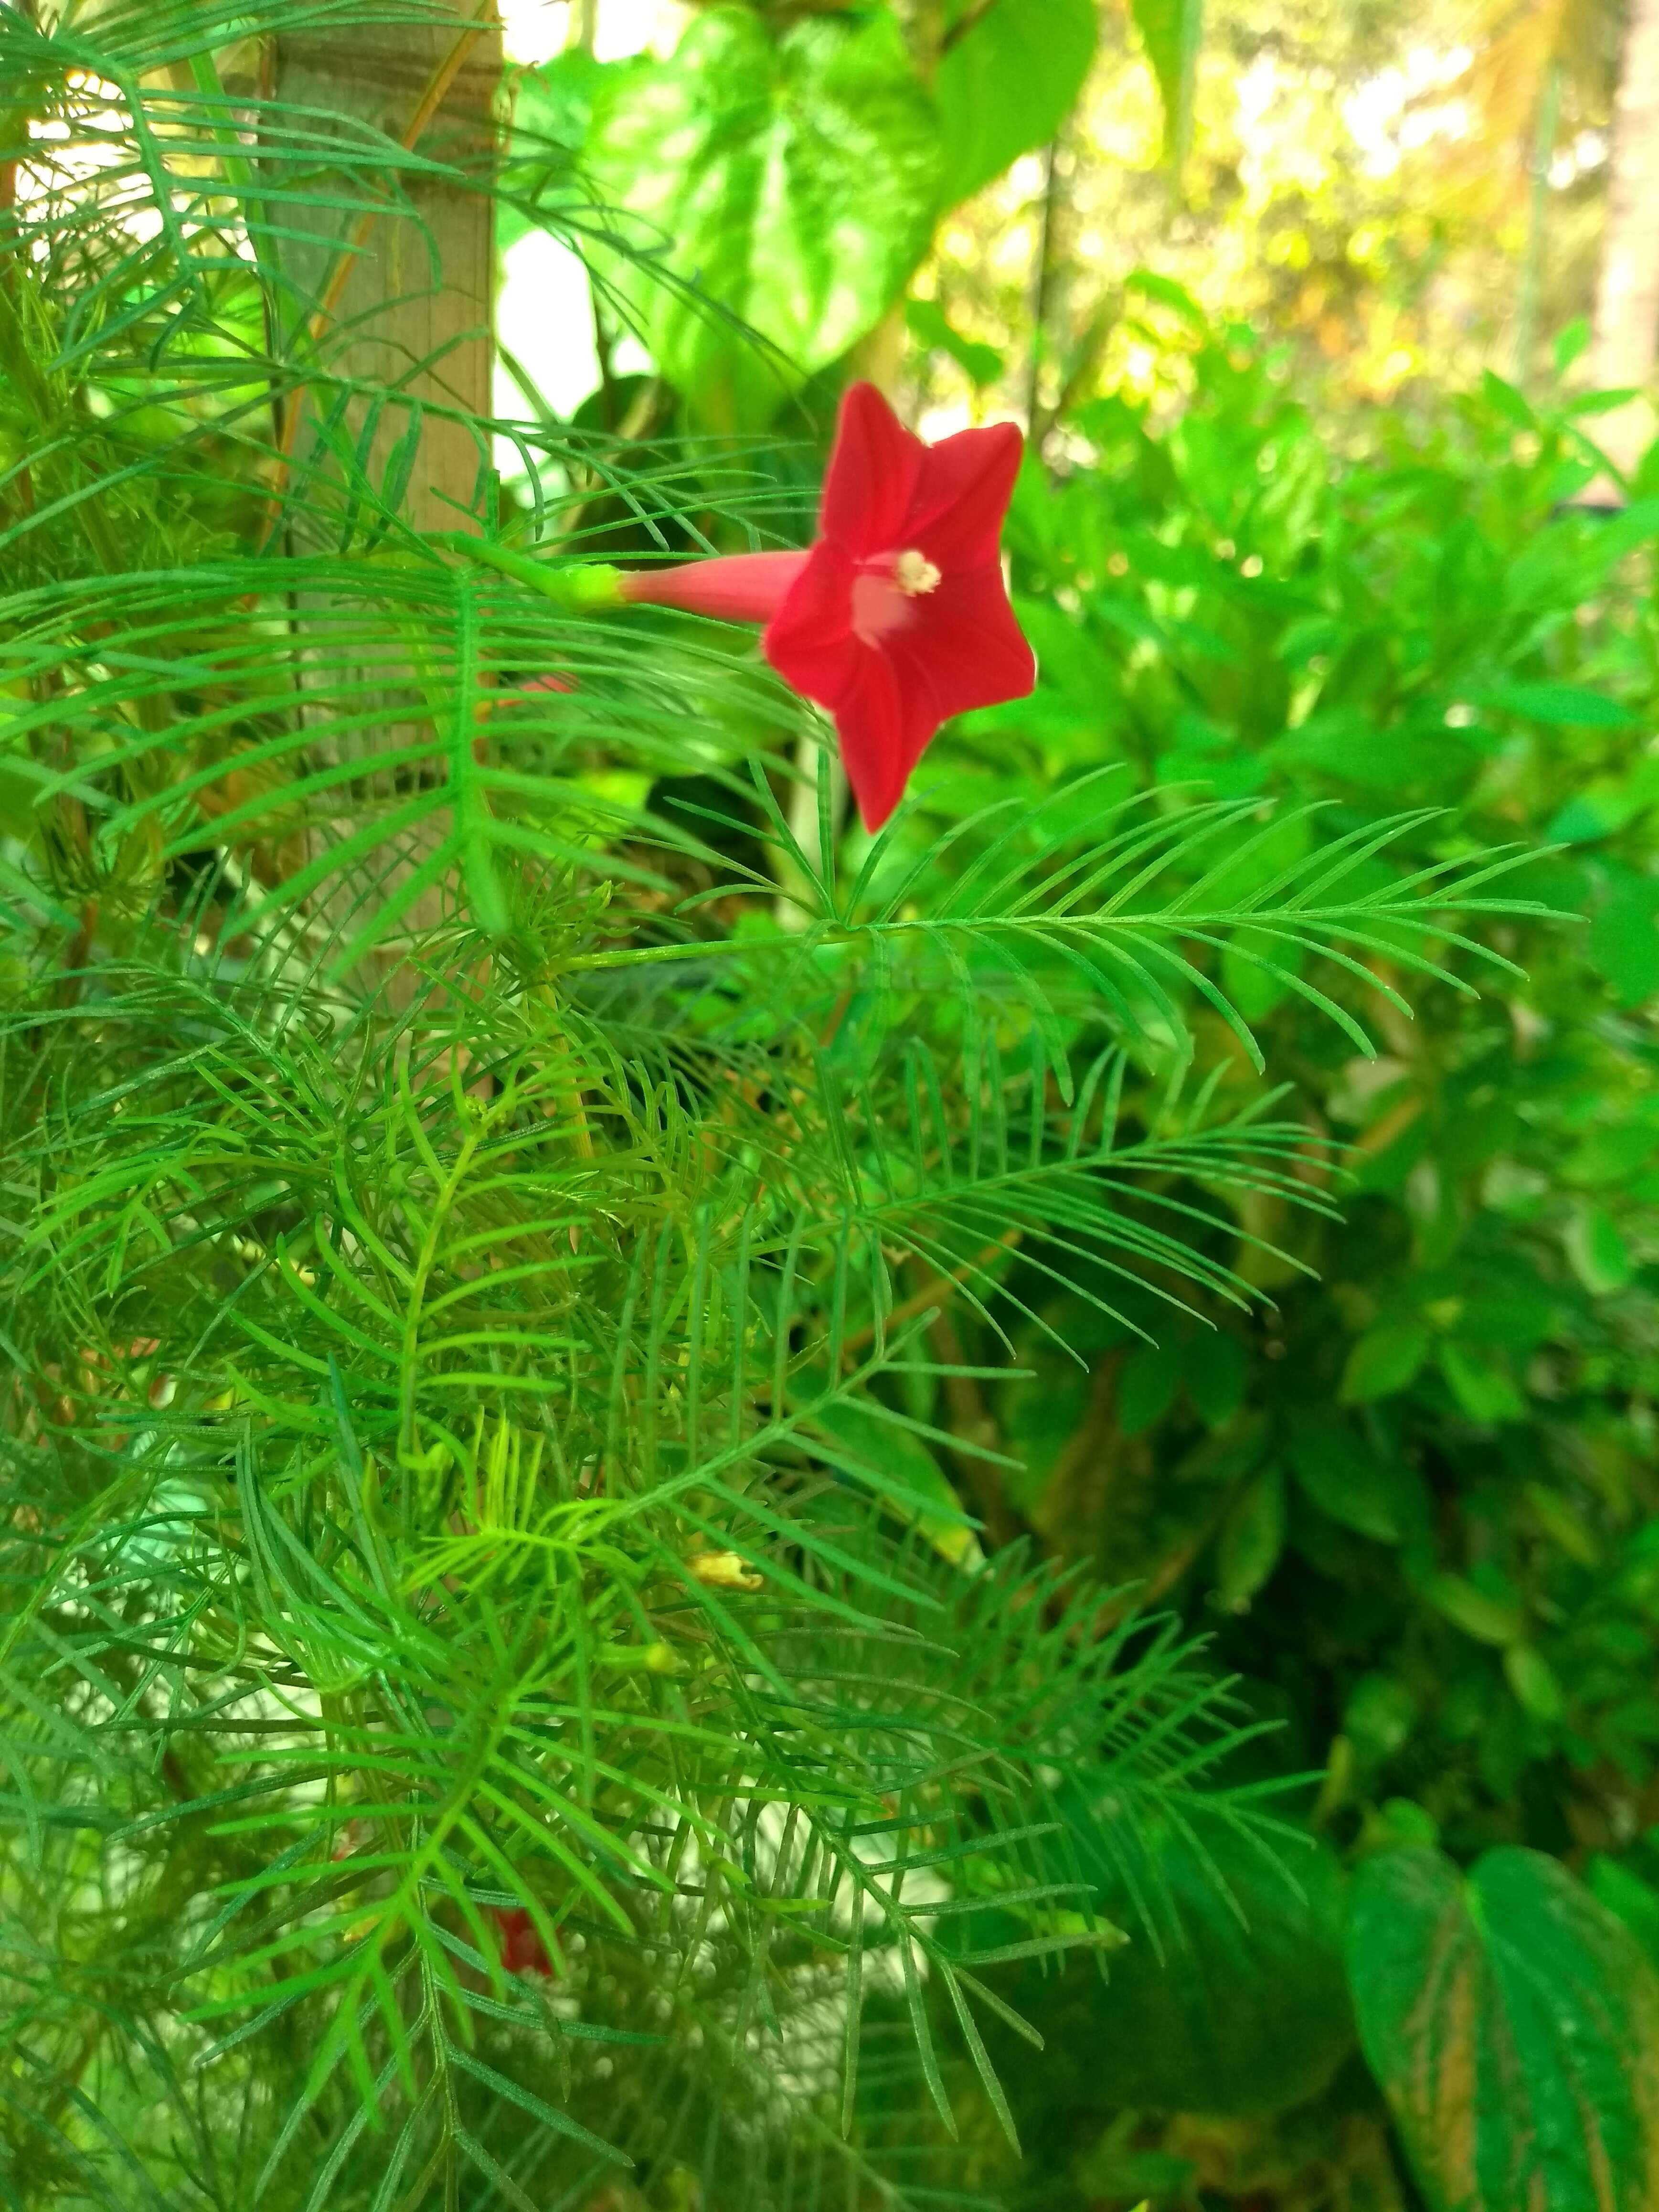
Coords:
1166,293
1634,526
1563,1524
929,323
1571,343
1481,1386
1381,1713
894,1451
1511,1316
1566,705
1365,1493
1599,1256
1513,2024
1111,2171
1624,935
1489,1619
1629,1898
1383,1360
1006,81
1509,403
791,182
1534,1682
1610,1155
1597,811
1215,1370
20,818
1170,32
1248,2010
1252,1538
1598,403
552,107
1146,1386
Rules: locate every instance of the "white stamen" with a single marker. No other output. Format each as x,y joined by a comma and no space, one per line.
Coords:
915,573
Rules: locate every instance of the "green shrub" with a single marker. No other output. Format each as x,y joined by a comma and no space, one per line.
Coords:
1413,1496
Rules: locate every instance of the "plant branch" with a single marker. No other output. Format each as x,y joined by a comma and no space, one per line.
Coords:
933,1292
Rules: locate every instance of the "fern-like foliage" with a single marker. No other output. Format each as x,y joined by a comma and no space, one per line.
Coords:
493,1671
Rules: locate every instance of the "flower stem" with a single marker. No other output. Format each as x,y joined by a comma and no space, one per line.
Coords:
579,586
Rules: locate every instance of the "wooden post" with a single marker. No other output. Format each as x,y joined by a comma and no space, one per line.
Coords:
412,301
399,303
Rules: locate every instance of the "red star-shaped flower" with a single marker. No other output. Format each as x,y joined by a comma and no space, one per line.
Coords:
899,618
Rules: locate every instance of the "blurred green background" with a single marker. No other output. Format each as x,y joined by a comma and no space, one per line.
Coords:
1303,309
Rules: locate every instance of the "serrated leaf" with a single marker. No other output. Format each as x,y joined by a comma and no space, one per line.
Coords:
1513,2024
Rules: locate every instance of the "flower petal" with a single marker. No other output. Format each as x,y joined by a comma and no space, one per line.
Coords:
961,494
967,650
809,640
883,727
874,469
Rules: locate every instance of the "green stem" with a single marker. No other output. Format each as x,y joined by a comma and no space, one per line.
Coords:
50,411
409,1364
578,587
1543,151
1042,297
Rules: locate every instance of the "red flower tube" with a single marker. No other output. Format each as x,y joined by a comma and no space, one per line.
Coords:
898,617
